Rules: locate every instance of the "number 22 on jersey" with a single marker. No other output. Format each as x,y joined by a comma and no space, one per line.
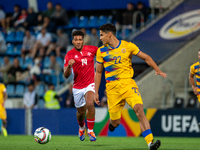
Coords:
117,60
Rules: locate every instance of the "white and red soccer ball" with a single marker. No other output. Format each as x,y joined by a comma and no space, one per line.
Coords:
42,135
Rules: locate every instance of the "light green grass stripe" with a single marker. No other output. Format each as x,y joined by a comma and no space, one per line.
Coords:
17,142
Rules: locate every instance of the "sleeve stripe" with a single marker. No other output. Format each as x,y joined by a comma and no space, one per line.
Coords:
138,53
99,62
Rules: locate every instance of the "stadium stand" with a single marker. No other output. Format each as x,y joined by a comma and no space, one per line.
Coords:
82,19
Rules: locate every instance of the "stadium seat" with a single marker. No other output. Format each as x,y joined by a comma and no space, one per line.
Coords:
4,34
28,62
41,103
1,61
83,22
18,49
192,103
118,34
19,36
60,61
11,59
10,49
73,22
110,19
98,32
10,36
125,33
61,78
32,32
20,61
102,20
26,89
19,90
36,34
41,90
93,21
88,31
10,88
47,62
54,79
179,103
46,78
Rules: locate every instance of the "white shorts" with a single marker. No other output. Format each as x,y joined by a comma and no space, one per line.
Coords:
79,95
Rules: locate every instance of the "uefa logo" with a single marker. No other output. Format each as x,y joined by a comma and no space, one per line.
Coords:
181,25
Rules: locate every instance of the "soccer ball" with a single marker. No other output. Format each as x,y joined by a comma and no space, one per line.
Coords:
42,135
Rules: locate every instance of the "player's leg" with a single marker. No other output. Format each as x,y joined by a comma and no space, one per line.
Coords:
80,105
134,99
198,97
115,103
115,114
4,127
3,117
145,127
114,124
90,113
80,114
0,125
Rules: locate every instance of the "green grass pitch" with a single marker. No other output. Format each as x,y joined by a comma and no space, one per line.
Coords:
20,142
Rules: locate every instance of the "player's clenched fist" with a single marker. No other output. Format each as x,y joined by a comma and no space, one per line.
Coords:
96,99
71,62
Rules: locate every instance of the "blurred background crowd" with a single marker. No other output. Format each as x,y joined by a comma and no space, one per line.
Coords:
33,44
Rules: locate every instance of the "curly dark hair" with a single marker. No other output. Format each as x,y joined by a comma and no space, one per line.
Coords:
77,32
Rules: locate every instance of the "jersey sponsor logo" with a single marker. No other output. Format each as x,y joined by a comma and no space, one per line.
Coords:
123,50
76,56
84,61
181,25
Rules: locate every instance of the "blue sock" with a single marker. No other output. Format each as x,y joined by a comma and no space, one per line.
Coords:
148,136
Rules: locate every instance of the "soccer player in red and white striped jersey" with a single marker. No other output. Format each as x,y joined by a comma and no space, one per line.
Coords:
80,62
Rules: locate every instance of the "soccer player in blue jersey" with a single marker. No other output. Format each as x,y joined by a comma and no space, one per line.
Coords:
115,56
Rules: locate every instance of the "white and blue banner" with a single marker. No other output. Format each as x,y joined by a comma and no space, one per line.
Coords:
172,32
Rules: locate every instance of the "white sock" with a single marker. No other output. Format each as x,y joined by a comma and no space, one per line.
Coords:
149,145
90,130
82,128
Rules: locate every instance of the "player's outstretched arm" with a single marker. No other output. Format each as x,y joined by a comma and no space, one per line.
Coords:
67,70
5,96
191,79
98,74
152,64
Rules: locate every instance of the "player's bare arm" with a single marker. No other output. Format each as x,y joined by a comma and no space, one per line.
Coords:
191,79
151,63
98,74
67,70
5,96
